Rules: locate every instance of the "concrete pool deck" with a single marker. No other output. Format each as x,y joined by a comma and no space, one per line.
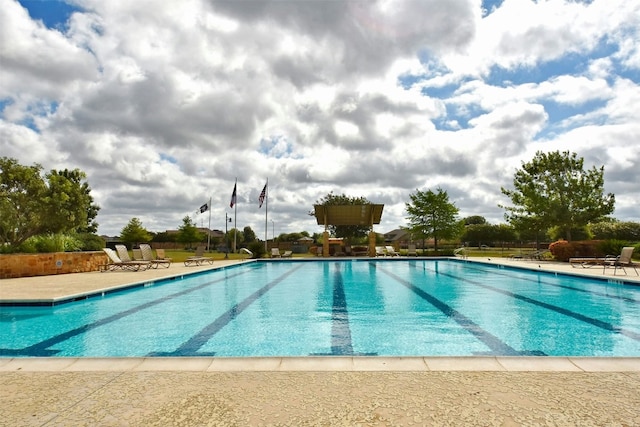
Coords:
306,391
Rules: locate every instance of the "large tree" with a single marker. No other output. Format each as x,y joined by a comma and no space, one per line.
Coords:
134,232
554,190
431,214
348,232
32,204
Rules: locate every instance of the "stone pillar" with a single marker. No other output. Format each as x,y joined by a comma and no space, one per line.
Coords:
325,244
372,243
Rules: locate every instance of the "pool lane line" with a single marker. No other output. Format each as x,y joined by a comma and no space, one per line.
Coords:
561,310
196,342
495,344
42,348
341,343
557,285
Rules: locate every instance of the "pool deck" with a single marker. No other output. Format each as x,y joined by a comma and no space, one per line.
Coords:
305,391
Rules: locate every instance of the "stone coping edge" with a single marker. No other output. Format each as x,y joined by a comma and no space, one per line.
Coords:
323,364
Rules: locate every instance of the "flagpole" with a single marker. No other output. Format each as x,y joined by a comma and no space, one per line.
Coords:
235,219
266,211
209,228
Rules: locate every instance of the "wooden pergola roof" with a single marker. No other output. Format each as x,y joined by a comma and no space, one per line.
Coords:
348,214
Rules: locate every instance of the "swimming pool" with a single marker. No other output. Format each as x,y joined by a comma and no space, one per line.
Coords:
354,307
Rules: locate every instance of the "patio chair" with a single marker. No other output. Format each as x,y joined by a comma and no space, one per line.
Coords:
160,255
586,262
536,255
390,251
137,254
147,255
411,250
287,254
380,251
198,258
622,261
123,254
116,263
275,253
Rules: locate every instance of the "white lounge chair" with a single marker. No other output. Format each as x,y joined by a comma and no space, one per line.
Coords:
147,255
287,254
116,263
199,258
380,251
275,253
412,251
390,251
123,254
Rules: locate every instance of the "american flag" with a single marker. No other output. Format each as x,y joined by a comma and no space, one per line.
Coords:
262,196
233,196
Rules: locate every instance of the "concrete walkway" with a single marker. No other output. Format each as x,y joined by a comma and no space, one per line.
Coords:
322,391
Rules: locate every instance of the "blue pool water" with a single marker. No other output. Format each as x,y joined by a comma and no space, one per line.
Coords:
359,307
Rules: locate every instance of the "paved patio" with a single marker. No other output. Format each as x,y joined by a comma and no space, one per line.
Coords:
322,391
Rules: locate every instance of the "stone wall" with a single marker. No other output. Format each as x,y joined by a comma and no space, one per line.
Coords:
28,265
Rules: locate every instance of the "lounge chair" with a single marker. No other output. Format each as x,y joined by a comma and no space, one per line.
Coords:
380,251
160,255
411,250
198,258
586,262
123,254
116,263
147,255
622,261
536,255
137,254
287,254
275,253
390,251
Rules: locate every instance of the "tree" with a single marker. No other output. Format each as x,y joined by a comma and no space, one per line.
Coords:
134,232
488,234
31,204
474,220
616,230
68,191
234,236
433,215
188,232
348,232
554,190
248,235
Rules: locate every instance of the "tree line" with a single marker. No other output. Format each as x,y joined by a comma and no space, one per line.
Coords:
552,197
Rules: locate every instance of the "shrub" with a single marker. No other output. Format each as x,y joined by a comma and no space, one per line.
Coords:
588,248
257,248
612,246
562,250
90,242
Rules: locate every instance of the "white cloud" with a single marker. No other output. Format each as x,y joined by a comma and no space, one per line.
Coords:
165,104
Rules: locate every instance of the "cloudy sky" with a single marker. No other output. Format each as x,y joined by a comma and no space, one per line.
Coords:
165,103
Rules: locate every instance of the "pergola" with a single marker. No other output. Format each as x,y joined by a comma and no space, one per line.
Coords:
364,215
